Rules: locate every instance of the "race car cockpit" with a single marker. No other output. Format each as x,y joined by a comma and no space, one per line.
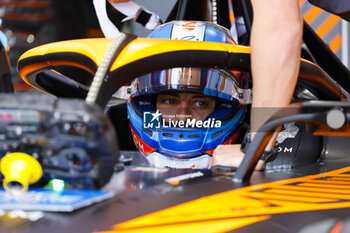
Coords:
175,96
156,57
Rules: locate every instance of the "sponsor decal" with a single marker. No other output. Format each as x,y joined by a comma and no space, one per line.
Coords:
188,30
285,149
143,147
189,25
290,131
189,37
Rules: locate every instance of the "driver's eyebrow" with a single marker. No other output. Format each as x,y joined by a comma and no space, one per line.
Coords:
201,96
171,94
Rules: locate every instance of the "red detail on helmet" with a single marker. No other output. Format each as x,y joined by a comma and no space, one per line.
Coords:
189,25
236,72
231,140
143,147
210,152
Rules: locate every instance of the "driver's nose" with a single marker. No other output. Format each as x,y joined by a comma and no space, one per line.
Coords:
184,111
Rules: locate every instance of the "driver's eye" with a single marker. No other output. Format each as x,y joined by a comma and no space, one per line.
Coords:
200,104
169,101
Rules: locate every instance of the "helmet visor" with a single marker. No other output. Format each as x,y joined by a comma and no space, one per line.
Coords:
213,82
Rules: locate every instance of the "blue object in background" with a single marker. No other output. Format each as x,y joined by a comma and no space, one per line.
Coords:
3,38
49,200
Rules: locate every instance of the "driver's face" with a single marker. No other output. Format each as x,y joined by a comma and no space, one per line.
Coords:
182,106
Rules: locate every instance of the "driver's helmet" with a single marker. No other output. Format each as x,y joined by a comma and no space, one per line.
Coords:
163,139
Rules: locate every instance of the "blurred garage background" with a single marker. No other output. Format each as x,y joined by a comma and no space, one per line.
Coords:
29,23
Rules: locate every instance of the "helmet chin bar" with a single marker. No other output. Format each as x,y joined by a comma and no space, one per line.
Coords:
161,161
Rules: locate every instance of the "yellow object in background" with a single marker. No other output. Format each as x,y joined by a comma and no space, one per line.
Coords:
19,170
